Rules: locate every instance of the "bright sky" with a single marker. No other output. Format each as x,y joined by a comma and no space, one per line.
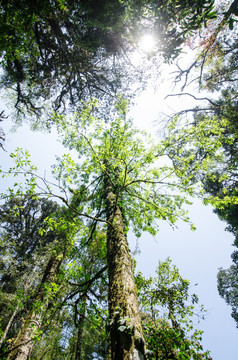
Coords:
197,254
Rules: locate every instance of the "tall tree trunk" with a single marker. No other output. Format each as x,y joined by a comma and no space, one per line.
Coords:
23,345
126,334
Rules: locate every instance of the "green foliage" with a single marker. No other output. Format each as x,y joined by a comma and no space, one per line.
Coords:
227,287
64,50
21,220
167,314
34,234
134,163
22,167
227,279
83,311
205,150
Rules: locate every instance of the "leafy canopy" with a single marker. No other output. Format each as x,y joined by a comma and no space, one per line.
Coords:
134,163
66,51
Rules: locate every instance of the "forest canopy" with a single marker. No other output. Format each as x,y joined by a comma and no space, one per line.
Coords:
68,285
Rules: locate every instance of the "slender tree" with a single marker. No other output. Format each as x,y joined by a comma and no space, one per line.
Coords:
76,326
22,252
27,224
227,279
23,345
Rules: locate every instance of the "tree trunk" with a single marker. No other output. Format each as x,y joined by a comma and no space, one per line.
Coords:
81,322
23,345
9,325
126,334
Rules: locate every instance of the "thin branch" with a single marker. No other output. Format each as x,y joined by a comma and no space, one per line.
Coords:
89,282
194,97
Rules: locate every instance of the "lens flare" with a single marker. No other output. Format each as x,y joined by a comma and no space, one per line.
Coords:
147,42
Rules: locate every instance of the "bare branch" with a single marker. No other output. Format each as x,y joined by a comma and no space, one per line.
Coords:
194,97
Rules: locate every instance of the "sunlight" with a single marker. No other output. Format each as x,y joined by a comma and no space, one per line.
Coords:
146,45
147,42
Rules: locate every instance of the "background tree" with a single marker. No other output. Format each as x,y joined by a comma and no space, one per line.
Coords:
213,161
168,312
76,326
23,252
27,218
227,279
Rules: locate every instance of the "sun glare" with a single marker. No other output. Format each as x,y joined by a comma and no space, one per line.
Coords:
147,42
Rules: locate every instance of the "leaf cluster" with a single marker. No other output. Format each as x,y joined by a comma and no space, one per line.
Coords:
167,314
134,164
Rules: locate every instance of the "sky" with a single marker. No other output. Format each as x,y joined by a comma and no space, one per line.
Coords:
198,255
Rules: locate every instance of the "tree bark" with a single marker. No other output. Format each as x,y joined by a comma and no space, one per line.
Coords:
24,343
81,322
126,334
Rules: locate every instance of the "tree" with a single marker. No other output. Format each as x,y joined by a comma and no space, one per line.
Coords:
22,251
76,327
227,279
210,139
167,312
205,152
24,219
118,185
227,286
217,70
24,342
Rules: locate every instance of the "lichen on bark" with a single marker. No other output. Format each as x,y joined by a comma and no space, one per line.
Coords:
126,338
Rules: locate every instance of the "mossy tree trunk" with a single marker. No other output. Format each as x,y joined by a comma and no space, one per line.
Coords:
24,343
126,334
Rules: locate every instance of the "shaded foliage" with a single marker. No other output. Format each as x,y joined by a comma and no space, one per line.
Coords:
21,220
27,258
67,51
